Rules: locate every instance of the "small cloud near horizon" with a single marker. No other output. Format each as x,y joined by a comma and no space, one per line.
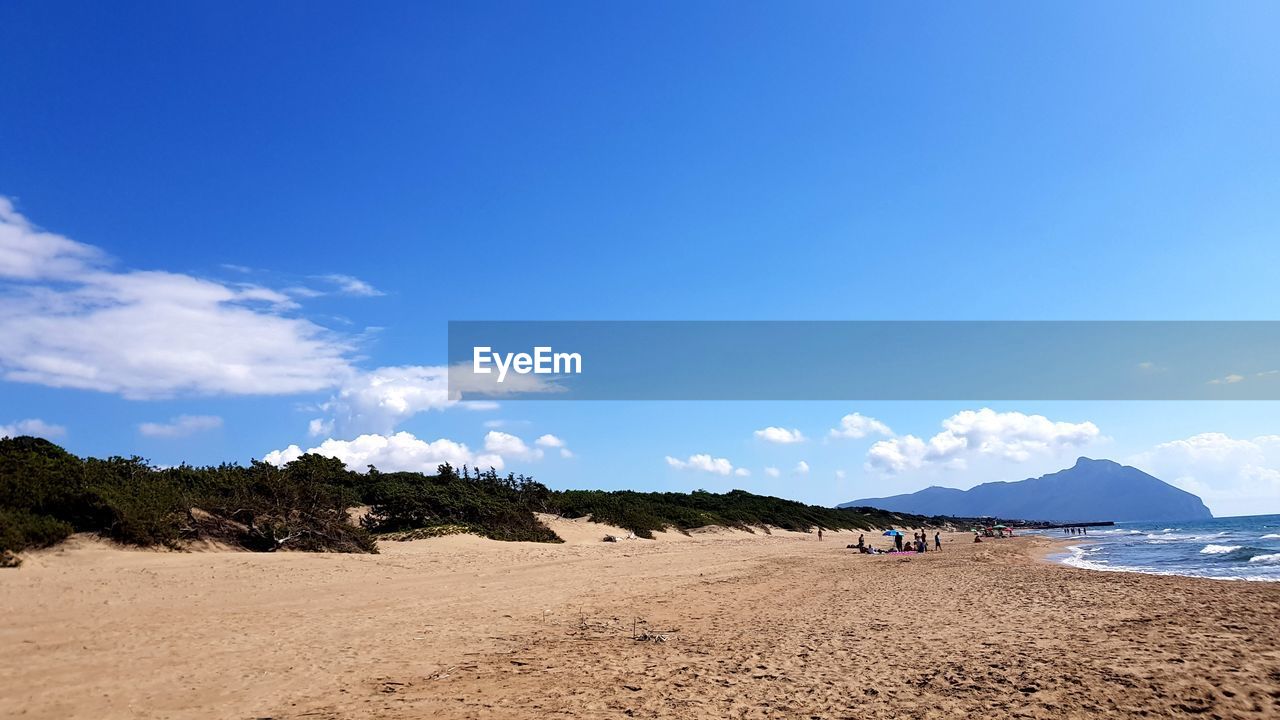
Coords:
855,426
779,435
349,285
180,426
702,462
34,427
1231,379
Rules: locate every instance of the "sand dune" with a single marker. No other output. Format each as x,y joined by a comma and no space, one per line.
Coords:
709,626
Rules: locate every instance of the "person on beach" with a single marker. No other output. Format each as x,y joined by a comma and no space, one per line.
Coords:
819,534
861,541
937,541
897,542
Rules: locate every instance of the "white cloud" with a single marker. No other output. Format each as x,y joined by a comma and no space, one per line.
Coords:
508,445
32,426
1009,436
840,474
28,253
378,400
779,435
181,426
479,405
703,463
319,426
68,319
392,453
348,285
742,472
772,472
551,441
857,425
1233,476
801,468
1228,380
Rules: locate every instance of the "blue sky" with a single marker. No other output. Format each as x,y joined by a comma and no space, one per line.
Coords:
238,165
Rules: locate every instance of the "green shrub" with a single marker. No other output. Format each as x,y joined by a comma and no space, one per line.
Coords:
292,508
495,507
23,530
138,505
40,477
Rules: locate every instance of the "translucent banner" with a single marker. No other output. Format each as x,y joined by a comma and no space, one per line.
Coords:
864,360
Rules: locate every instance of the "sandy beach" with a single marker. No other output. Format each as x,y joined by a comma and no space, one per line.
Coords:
714,625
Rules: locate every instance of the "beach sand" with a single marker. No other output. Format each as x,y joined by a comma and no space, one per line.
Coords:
722,624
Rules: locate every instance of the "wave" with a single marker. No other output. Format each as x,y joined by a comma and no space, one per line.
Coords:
1078,559
1219,549
1271,536
1081,558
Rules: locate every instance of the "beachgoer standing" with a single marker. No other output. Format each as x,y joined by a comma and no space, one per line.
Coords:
897,541
819,534
937,541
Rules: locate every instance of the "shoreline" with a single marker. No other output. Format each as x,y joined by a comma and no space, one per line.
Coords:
701,626
1064,549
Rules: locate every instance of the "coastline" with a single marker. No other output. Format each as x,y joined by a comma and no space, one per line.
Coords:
710,625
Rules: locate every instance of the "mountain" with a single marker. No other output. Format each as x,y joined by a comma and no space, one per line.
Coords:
1092,490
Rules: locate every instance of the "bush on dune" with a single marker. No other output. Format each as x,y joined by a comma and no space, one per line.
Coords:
136,504
489,505
47,493
22,530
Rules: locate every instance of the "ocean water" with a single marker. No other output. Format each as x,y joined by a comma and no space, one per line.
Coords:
1235,548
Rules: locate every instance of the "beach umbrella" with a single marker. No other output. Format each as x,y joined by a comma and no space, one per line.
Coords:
892,532
1001,527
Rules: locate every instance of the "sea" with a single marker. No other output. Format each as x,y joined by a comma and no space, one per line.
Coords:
1229,548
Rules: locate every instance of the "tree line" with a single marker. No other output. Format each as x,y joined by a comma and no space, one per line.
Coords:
316,503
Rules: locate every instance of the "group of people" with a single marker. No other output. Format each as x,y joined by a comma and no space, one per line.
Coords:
1075,530
919,543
